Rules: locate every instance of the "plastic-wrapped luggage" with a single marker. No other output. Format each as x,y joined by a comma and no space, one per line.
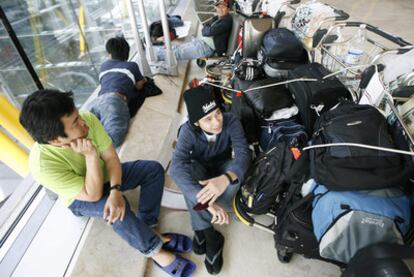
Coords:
253,31
281,51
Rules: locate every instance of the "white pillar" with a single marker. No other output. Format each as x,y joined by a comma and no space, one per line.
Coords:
142,14
170,56
142,62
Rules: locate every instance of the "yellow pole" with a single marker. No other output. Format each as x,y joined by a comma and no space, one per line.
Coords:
124,11
37,42
13,156
82,30
9,119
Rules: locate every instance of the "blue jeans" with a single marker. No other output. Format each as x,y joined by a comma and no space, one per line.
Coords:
201,220
113,113
135,229
194,49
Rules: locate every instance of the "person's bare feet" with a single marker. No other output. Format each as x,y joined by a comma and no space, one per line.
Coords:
163,258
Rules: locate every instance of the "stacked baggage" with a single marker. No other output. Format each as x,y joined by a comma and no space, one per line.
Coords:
330,113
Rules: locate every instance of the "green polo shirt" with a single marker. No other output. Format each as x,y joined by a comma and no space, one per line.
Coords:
63,170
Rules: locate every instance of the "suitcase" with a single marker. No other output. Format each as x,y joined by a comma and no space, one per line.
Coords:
315,97
382,260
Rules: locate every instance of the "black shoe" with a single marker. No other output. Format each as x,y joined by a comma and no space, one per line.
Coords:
199,243
214,252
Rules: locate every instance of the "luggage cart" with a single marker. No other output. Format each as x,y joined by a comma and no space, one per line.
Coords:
283,17
392,91
346,54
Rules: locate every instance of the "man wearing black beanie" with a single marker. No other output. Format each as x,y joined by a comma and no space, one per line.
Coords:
208,165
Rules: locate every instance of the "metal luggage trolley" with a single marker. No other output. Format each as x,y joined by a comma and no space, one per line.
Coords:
222,71
348,48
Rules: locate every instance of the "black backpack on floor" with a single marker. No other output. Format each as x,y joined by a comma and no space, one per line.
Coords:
265,179
315,97
293,227
355,168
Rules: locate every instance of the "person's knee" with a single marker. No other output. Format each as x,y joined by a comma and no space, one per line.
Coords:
157,169
117,136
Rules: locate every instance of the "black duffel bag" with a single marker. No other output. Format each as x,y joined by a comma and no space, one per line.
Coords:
356,168
315,97
269,99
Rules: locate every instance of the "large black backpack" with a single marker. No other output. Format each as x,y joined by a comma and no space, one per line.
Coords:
265,179
356,168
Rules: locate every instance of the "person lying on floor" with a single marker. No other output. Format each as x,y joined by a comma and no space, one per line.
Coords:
216,33
208,165
121,93
75,158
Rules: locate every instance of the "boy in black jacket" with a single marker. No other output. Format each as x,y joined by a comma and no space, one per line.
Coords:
208,165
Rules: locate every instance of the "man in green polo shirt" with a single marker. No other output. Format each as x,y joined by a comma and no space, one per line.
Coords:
74,157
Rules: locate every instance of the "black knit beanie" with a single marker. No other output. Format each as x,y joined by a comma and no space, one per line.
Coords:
200,101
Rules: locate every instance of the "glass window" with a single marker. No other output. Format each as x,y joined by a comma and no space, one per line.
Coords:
65,42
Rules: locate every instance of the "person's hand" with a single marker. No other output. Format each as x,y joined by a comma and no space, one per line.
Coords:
213,188
219,214
114,207
83,146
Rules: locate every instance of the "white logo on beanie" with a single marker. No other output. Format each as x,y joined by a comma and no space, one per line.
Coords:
208,107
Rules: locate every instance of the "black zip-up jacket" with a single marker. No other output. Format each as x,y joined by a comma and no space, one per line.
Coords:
220,30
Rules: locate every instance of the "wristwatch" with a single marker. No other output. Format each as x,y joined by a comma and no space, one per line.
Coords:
231,182
115,187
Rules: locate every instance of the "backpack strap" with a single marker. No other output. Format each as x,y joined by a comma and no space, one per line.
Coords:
119,70
359,145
